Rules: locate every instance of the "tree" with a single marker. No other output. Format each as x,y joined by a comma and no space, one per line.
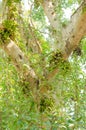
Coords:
44,63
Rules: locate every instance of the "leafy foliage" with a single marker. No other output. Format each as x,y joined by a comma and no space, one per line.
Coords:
58,104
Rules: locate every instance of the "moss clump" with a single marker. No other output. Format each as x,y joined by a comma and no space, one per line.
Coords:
65,67
10,25
10,2
55,59
4,35
84,9
9,30
46,103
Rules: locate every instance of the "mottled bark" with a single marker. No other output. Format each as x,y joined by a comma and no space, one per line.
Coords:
68,40
75,31
21,63
49,9
72,34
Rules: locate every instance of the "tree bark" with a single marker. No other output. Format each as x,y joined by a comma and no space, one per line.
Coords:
21,63
68,41
75,31
49,10
72,34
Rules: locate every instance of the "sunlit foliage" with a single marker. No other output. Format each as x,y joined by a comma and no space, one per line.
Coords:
61,103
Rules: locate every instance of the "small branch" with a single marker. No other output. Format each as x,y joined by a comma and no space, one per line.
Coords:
52,74
36,44
4,10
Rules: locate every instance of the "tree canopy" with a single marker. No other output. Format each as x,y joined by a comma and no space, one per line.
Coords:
42,65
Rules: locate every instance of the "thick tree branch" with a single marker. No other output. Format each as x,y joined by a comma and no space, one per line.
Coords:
75,31
67,41
73,34
18,57
20,62
49,7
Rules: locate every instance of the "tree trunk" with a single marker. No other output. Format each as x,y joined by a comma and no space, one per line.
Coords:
68,40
